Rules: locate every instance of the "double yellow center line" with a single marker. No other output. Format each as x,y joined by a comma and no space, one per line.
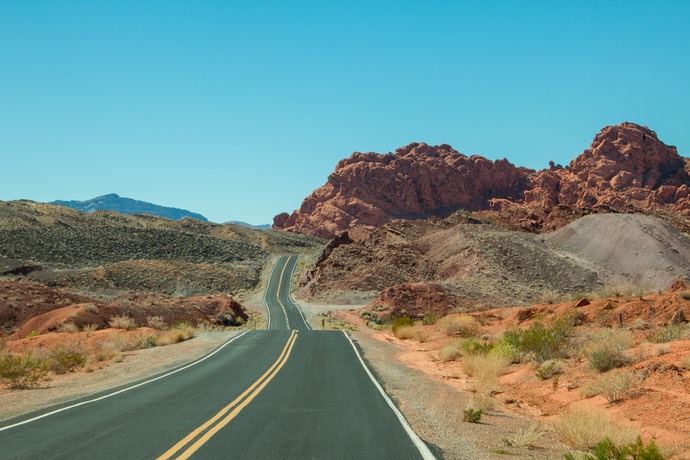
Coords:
203,433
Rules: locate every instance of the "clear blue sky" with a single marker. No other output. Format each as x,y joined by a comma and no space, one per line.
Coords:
239,109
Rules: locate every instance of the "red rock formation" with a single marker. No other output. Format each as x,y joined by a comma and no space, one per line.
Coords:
627,168
416,181
417,299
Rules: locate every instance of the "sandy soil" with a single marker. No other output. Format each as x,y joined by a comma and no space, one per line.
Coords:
657,408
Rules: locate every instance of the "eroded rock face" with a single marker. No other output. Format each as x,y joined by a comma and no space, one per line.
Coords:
416,181
417,299
626,165
627,168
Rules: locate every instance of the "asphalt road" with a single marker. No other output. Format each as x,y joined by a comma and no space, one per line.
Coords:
282,393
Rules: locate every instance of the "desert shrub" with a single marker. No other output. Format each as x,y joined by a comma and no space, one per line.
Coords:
21,371
685,363
122,322
472,415
404,332
91,308
669,333
180,333
473,346
106,350
147,341
32,334
607,350
485,369
69,327
582,429
156,322
449,353
507,350
403,321
661,349
524,437
460,325
65,359
483,402
430,318
608,450
540,343
549,368
550,296
614,386
89,327
420,334
684,295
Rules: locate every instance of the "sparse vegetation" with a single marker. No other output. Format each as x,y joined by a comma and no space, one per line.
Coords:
473,346
156,322
88,328
403,321
583,429
684,295
472,415
669,333
22,371
549,369
68,327
458,325
430,318
607,350
540,343
614,386
485,369
65,359
404,332
524,437
608,450
122,322
449,353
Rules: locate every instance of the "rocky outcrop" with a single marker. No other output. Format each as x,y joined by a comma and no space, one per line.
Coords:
626,169
414,182
417,299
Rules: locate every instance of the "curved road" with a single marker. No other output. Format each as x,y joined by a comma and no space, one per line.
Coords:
286,392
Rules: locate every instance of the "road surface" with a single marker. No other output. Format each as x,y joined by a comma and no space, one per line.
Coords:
282,393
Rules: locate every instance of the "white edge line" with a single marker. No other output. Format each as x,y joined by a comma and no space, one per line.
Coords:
109,395
268,310
309,328
416,440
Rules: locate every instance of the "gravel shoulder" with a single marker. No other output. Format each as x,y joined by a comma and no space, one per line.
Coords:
137,365
435,410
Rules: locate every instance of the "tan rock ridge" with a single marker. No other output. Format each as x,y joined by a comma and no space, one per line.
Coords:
627,168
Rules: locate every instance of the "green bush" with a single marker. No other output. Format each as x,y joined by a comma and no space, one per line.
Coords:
430,318
607,450
403,321
669,333
473,346
22,371
549,368
65,359
540,343
472,416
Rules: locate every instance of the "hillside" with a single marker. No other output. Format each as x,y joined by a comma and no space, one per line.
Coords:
627,168
114,202
462,262
107,253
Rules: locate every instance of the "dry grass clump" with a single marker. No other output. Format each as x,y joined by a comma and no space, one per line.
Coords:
486,369
550,296
669,333
684,295
68,327
156,322
404,332
65,358
449,353
483,402
106,350
88,328
583,428
607,350
524,437
122,322
624,290
614,386
550,368
685,363
179,333
458,325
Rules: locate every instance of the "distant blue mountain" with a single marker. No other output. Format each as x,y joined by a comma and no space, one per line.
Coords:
113,202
